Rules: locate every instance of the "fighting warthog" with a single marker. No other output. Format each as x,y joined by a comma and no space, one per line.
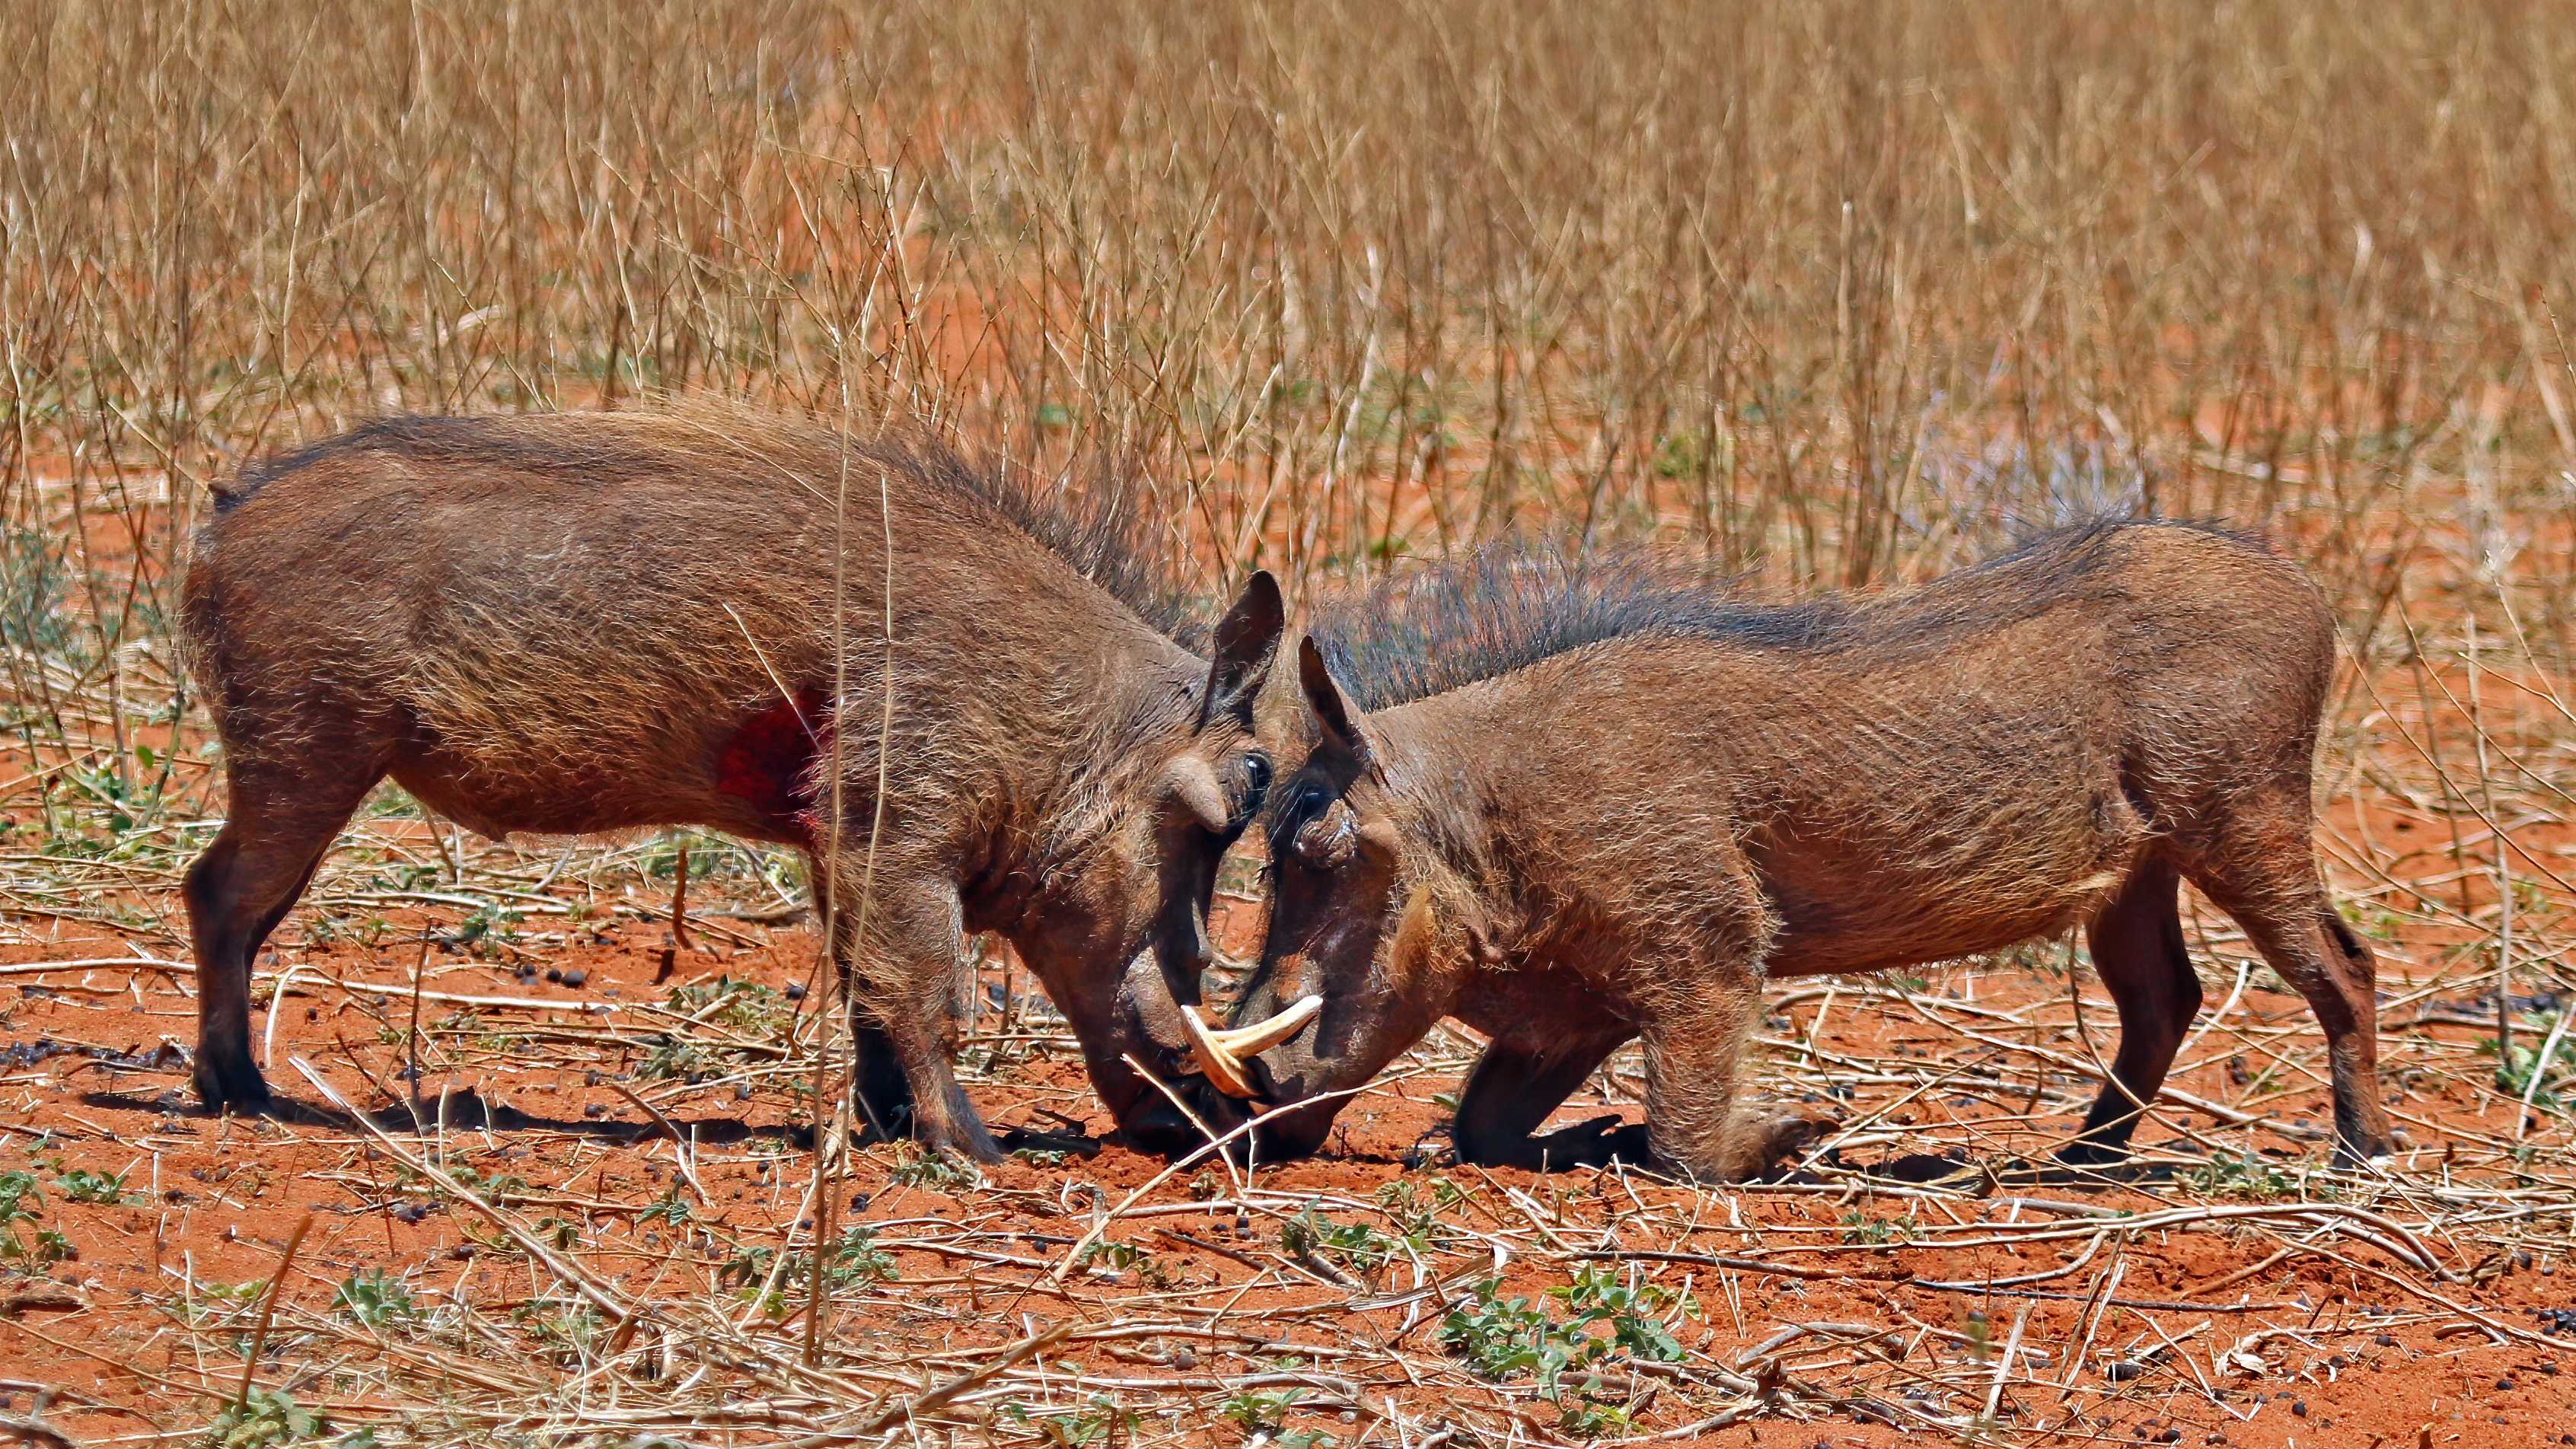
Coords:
584,623
1589,806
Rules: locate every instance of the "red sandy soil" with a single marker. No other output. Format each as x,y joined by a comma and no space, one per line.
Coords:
213,1201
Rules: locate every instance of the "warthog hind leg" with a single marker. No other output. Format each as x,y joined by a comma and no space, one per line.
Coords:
282,822
2138,950
2263,872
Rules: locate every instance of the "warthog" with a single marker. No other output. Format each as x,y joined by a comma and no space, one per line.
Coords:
1586,806
586,623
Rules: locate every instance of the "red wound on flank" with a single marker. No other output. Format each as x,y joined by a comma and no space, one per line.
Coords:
769,760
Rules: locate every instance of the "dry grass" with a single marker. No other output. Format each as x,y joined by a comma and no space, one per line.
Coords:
1837,295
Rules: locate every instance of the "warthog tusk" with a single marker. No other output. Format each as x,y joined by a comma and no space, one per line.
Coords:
1220,1054
1215,1061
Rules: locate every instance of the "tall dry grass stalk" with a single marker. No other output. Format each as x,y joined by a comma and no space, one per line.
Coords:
1825,293
1835,295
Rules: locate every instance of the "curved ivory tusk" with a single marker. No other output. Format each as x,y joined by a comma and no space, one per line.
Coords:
1215,1060
1261,1036
1220,1054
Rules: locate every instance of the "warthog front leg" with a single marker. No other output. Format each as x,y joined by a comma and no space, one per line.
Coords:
1694,1054
881,1093
1513,1088
897,950
879,1090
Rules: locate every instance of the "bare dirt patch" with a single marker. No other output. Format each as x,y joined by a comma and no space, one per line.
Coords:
2240,1296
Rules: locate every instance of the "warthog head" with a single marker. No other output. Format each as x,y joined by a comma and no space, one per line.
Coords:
1138,891
1363,915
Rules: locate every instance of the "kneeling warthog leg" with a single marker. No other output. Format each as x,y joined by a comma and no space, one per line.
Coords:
1513,1087
1694,1054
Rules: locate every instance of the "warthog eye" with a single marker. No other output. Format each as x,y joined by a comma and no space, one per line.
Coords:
1310,802
1256,787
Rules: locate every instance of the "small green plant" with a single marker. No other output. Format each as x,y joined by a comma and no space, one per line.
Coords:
856,1258
1414,1212
1358,1246
1127,1257
263,1419
497,1189
1860,1227
1498,1338
670,1208
570,1331
487,933
675,1059
19,1200
2520,1066
934,1170
126,801
747,1007
1111,1255
375,1299
79,1184
1093,1423
2247,1176
1508,1338
1586,1417
1256,1410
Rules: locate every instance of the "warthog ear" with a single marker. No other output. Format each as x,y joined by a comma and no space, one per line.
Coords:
1247,638
1324,695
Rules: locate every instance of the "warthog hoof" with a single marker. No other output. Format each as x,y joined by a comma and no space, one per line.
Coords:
227,1081
2093,1153
883,1101
2379,1156
1770,1141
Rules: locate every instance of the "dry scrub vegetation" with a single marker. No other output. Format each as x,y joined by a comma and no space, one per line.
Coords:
1827,295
